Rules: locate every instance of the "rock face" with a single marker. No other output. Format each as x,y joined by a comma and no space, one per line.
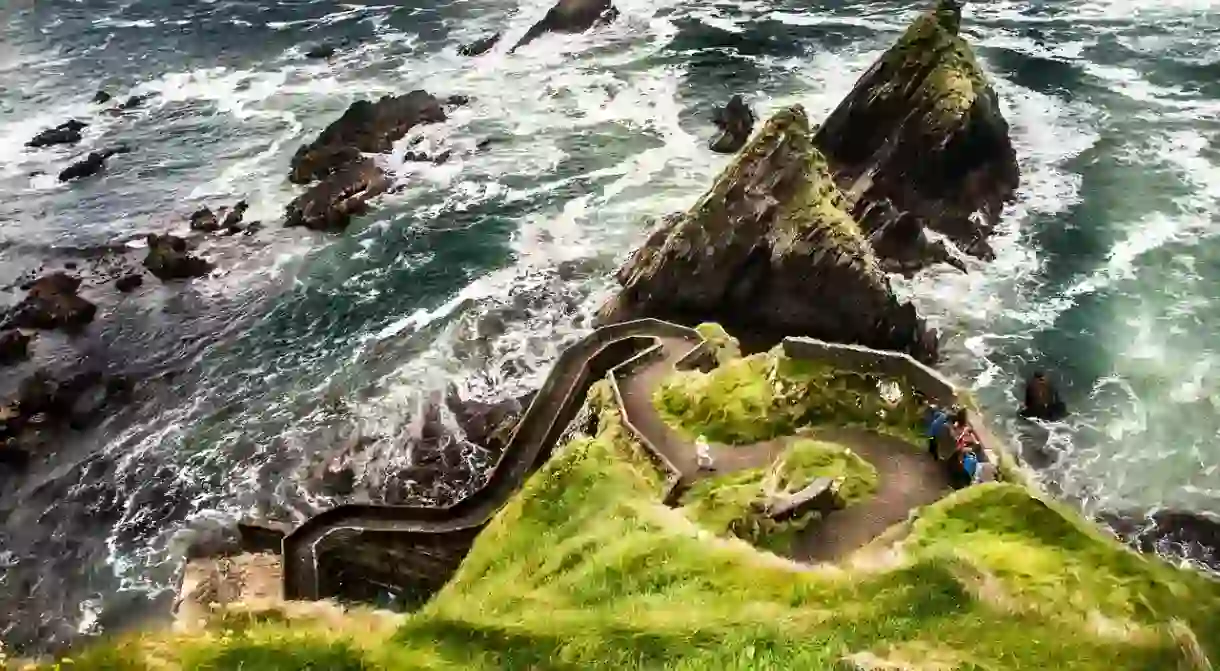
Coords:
736,122
65,133
169,259
480,46
14,346
922,135
570,16
365,127
52,303
771,249
331,204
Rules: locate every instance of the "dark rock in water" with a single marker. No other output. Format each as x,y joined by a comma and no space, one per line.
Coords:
771,249
44,402
1042,399
490,425
52,303
1181,533
901,242
135,101
14,346
330,204
169,259
90,165
570,16
923,131
101,98
735,121
324,50
364,128
232,222
129,282
457,100
421,157
65,133
205,220
480,46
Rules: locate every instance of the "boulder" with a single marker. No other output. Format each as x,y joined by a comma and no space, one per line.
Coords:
365,127
570,16
480,46
14,346
771,249
169,259
205,220
1042,399
101,97
129,282
90,165
65,133
735,121
330,204
922,131
52,303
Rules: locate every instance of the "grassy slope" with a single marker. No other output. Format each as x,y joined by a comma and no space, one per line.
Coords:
585,568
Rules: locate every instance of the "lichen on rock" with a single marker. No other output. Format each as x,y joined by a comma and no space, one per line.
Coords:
922,135
770,248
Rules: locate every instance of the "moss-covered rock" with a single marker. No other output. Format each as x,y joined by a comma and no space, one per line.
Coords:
922,133
770,248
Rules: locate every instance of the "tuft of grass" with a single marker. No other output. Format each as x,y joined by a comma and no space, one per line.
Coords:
733,504
586,568
727,347
767,395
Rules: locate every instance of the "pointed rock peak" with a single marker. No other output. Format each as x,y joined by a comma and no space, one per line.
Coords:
949,15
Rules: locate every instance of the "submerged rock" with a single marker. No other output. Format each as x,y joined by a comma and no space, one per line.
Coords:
52,303
735,121
922,135
90,165
771,249
169,259
480,46
330,204
570,16
65,133
14,346
365,127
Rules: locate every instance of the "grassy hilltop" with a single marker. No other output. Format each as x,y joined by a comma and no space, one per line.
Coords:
586,568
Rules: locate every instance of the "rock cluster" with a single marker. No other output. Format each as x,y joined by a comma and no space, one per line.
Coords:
52,303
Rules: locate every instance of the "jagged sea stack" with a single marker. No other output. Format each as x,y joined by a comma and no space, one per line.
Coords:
922,133
771,249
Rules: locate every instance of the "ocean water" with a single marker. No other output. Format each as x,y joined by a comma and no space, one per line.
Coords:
478,271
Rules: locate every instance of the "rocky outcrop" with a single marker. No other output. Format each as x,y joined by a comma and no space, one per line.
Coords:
1182,533
52,302
922,135
65,133
771,249
331,204
233,218
169,259
365,127
735,121
90,165
570,16
480,46
14,346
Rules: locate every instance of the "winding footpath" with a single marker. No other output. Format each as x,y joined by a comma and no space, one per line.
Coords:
637,356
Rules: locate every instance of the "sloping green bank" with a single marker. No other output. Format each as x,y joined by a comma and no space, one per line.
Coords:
586,569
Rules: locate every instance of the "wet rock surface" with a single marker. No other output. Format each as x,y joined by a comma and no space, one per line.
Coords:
169,258
53,303
480,46
922,135
65,133
735,121
771,247
366,127
331,204
570,16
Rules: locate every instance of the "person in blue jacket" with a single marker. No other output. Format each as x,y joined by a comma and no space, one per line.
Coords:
936,421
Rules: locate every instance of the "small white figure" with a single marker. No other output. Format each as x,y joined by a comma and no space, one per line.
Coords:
703,454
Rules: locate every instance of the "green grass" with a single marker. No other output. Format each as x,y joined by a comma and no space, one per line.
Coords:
727,347
585,568
767,395
732,504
